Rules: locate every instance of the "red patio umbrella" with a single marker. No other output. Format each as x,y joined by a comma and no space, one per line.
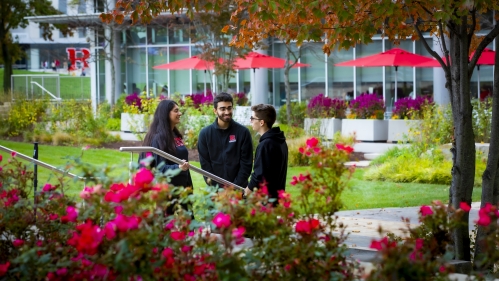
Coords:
257,60
193,62
395,57
486,58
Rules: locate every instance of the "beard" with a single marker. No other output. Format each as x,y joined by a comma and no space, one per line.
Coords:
225,117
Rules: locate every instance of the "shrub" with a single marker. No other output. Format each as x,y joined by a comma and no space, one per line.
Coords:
142,104
24,114
240,99
325,107
113,124
412,109
482,118
121,231
199,99
367,106
298,113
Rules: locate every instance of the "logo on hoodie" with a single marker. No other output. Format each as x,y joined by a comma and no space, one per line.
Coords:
232,138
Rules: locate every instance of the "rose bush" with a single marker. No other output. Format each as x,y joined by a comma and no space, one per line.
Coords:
118,231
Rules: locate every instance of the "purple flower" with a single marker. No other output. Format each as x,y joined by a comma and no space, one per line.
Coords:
368,106
134,99
408,108
199,99
325,107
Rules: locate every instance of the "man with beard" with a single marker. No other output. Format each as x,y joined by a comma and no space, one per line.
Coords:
225,147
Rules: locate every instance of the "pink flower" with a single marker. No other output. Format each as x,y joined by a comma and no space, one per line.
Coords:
221,220
110,230
426,211
382,244
464,206
253,212
4,268
238,233
348,149
71,215
177,235
48,187
312,142
87,238
86,192
62,271
126,223
1,157
287,267
306,227
13,154
170,225
18,243
186,249
85,147
53,217
167,253
484,215
143,178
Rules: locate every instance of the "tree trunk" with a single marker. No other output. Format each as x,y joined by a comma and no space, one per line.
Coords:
490,181
287,87
7,65
463,149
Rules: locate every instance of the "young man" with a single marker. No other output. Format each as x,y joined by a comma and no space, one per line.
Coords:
271,157
225,147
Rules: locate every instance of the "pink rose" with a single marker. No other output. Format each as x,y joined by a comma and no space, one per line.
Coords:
426,211
222,220
18,243
238,233
464,206
143,177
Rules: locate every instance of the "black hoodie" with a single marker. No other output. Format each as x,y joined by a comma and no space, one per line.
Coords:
271,162
227,153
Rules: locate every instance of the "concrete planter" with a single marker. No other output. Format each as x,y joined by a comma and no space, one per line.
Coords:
323,127
136,123
366,129
397,129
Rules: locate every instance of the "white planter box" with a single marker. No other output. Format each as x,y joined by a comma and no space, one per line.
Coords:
397,129
134,123
366,129
323,127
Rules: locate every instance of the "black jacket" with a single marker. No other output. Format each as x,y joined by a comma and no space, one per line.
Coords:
226,153
271,162
184,177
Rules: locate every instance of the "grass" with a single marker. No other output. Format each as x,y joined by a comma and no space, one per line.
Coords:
361,195
71,87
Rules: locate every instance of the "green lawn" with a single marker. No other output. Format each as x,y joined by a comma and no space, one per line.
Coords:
362,194
71,87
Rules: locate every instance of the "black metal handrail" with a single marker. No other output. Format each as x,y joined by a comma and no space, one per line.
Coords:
179,161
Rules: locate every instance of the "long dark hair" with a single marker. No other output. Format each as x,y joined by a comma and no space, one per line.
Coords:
161,126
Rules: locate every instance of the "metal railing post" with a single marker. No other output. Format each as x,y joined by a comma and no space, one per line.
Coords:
35,176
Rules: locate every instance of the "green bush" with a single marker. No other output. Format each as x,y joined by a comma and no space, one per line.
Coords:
482,119
192,121
113,124
406,165
298,114
23,115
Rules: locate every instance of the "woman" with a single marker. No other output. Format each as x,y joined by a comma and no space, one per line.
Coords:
164,135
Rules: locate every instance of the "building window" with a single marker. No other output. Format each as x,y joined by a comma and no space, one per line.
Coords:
82,7
63,6
61,35
82,32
